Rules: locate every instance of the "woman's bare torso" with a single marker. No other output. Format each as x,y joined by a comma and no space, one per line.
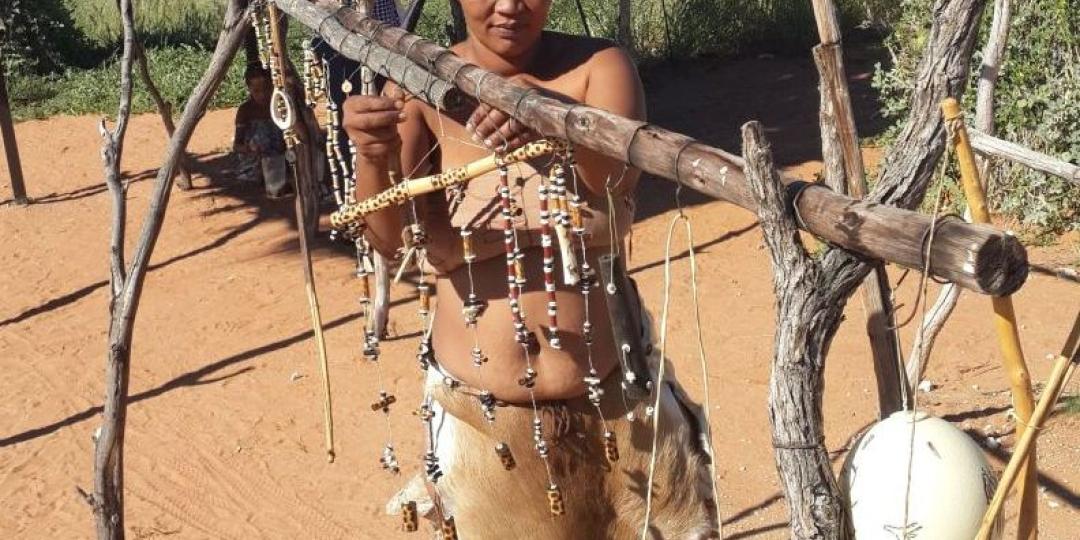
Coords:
559,371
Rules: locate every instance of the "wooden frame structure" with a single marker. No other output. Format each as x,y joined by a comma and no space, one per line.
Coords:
975,257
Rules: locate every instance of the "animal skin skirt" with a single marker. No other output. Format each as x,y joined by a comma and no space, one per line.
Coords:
602,498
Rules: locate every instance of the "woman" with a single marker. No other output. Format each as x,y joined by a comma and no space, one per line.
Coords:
602,498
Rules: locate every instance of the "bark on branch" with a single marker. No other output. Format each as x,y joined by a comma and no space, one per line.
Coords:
127,288
108,498
806,322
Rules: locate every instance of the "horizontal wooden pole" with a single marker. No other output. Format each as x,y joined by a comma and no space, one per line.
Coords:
976,257
991,146
414,79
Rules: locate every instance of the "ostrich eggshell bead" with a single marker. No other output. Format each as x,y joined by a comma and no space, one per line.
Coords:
923,466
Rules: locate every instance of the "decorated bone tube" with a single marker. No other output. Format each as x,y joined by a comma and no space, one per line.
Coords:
403,191
561,219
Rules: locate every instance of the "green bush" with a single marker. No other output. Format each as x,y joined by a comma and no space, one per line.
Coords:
192,22
1037,102
682,28
176,70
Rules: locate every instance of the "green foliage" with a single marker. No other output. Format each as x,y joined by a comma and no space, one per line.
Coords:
36,36
680,28
192,22
1036,102
175,70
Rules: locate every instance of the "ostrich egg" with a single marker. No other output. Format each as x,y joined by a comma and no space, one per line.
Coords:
915,476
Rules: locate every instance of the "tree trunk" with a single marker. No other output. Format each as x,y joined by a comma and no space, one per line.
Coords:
876,293
806,321
11,146
108,453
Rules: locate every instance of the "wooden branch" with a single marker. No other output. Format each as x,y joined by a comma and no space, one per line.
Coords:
805,323
876,292
108,457
625,35
11,146
108,498
979,258
991,146
164,108
332,25
584,19
943,72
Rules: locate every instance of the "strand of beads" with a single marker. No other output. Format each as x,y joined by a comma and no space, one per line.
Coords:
586,284
515,277
549,268
471,310
259,25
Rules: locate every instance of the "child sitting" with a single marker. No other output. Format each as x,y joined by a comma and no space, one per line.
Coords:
258,143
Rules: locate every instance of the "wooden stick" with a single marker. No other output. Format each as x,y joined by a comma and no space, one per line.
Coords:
875,290
403,191
1004,316
107,501
11,146
1059,377
278,45
975,256
164,110
991,146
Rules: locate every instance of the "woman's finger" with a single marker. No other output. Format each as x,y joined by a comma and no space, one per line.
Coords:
363,104
373,120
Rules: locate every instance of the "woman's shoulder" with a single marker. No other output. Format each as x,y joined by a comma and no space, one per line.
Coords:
580,48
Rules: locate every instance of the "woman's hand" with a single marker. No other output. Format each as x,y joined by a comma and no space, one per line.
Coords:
372,124
496,129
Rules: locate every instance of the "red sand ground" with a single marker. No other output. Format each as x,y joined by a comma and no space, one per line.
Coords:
225,427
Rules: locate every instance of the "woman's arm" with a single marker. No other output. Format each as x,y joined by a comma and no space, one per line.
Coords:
385,129
613,86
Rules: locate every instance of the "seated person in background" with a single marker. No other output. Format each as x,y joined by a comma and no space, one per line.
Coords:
602,499
257,142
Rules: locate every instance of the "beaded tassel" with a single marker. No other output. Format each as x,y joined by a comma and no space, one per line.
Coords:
549,269
410,521
389,460
384,402
555,500
611,447
514,275
258,24
449,530
331,127
505,456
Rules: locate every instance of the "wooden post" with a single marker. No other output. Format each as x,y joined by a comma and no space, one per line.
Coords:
107,499
876,292
626,32
164,109
11,146
807,317
976,257
1004,323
